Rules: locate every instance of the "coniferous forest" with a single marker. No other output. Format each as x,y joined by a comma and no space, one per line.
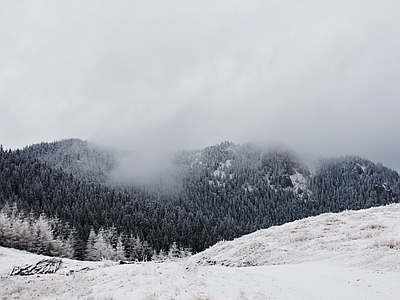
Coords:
67,198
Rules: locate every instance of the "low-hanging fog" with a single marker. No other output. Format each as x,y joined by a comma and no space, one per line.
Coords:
151,169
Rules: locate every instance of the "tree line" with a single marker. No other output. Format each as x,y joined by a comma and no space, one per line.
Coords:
220,192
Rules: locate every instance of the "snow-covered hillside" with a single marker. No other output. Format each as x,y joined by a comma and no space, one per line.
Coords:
369,238
351,255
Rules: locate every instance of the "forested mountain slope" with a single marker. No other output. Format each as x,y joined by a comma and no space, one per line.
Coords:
204,196
35,187
354,183
86,161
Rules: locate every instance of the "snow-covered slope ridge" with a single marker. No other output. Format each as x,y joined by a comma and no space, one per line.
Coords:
370,238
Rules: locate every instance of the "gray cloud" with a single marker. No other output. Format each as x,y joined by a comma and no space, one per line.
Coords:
320,77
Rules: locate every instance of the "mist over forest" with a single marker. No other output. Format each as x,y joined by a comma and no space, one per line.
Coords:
142,205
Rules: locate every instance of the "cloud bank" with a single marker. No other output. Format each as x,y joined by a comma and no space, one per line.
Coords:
319,77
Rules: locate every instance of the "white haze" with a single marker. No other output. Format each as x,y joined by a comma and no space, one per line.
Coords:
322,77
153,170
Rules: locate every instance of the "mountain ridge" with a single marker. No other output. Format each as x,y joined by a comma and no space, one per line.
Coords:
201,196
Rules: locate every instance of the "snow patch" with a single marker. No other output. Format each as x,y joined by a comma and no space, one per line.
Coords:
219,173
228,163
299,182
363,168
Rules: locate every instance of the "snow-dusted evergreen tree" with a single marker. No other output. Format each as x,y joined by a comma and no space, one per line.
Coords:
5,228
44,241
174,251
99,246
160,256
137,250
22,234
120,250
68,248
90,250
102,246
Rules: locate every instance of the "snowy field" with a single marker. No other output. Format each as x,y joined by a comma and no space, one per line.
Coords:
351,255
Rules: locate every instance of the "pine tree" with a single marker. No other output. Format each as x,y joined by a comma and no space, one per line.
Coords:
90,250
174,251
120,251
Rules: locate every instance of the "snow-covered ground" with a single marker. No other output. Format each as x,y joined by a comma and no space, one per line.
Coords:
351,255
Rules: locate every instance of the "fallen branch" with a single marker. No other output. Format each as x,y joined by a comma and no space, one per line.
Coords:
127,262
45,266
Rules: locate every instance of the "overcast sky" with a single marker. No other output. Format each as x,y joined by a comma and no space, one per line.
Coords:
321,77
